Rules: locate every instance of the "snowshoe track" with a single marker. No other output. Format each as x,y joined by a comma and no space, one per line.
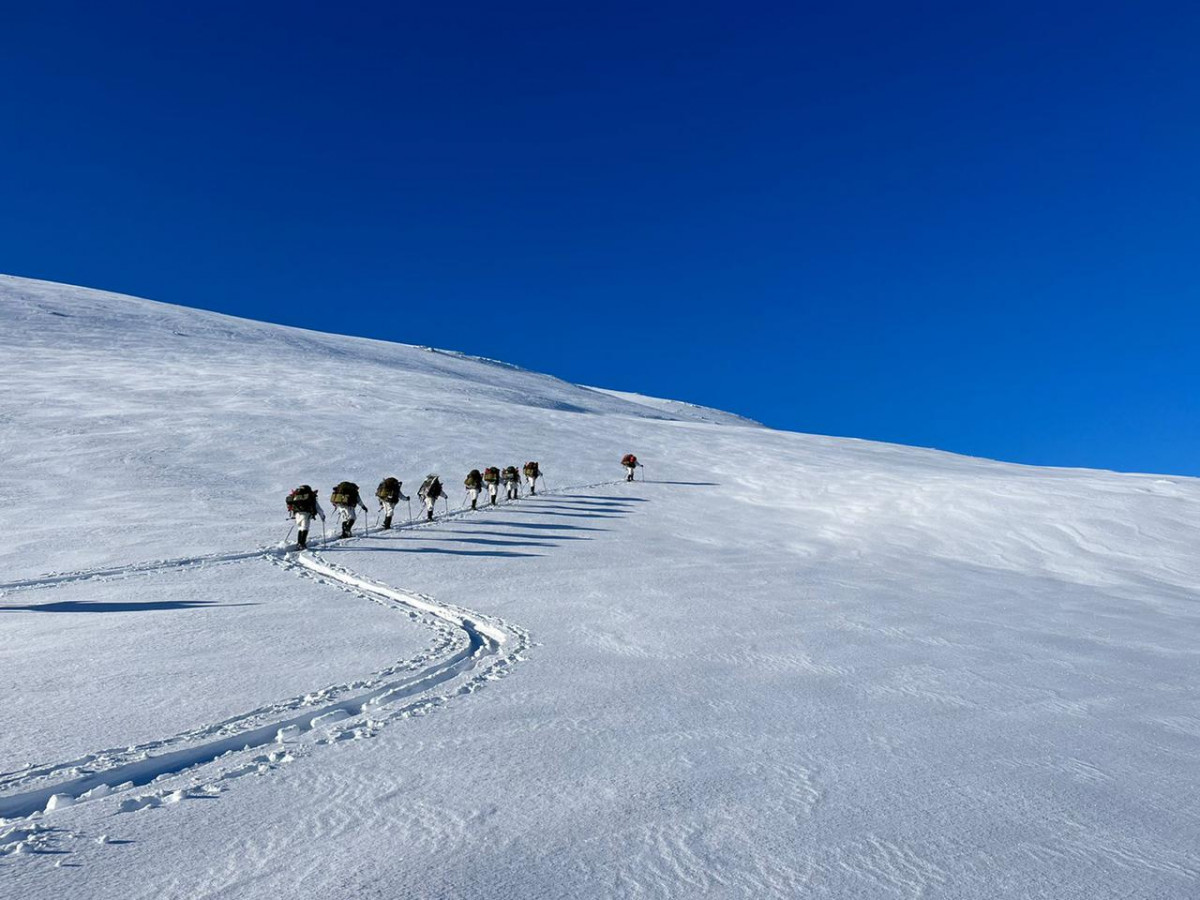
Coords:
469,650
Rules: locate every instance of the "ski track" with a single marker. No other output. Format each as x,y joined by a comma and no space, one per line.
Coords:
469,650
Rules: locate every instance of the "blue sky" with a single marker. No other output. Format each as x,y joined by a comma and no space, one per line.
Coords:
969,228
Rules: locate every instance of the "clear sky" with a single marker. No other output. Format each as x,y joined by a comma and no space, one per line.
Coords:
961,225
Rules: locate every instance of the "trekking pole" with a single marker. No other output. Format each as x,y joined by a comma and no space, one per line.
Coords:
289,534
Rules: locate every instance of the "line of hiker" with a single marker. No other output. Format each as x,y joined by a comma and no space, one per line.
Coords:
302,503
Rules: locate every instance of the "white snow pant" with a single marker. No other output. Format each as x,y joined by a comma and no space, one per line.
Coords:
302,520
512,489
472,494
629,470
493,488
430,503
347,514
388,509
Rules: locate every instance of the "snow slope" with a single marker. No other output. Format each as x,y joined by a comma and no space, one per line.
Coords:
784,666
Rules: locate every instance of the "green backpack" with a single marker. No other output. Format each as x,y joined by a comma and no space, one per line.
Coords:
345,494
388,490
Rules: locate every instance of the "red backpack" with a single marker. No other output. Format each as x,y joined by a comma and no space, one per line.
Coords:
302,500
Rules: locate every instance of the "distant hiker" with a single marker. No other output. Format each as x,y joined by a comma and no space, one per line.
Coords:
347,502
629,461
302,505
532,473
430,491
512,482
474,484
389,494
491,477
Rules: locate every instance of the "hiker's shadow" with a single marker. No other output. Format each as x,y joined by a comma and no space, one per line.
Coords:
440,551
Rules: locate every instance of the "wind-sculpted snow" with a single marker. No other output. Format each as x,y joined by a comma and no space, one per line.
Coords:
782,665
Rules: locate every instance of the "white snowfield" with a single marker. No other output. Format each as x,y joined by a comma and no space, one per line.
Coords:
781,666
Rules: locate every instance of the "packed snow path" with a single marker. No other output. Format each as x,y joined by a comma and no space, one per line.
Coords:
470,644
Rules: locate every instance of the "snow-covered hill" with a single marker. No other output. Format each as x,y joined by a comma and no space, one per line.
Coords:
783,665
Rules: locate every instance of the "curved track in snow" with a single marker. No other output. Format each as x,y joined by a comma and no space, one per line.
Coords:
470,649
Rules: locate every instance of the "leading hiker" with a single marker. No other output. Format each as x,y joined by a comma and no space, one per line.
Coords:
630,462
302,505
347,502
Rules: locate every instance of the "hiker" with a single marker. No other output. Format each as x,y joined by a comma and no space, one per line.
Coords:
431,490
532,474
389,494
630,462
302,505
491,477
512,482
474,484
346,501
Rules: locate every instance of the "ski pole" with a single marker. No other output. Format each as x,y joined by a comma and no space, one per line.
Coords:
324,537
289,534
409,502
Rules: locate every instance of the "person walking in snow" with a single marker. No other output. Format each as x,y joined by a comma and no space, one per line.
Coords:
630,462
429,492
389,494
474,484
302,505
491,477
512,482
347,502
532,473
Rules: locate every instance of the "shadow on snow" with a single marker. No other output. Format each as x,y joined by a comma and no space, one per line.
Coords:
99,606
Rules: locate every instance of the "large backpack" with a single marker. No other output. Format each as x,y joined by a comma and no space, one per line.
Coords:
388,490
491,475
431,487
302,500
473,479
345,494
510,474
629,460
532,470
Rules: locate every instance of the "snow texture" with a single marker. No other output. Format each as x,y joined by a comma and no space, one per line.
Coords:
783,665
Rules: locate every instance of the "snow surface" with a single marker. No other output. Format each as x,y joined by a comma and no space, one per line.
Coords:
783,665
